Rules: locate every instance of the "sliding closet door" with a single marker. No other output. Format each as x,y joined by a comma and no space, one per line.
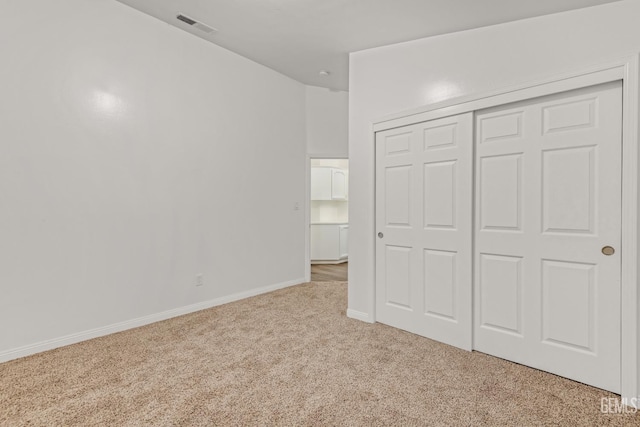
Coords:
548,232
424,229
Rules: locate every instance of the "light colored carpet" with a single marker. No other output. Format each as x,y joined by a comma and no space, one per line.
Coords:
290,357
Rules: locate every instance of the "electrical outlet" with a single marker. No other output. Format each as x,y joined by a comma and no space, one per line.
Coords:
199,280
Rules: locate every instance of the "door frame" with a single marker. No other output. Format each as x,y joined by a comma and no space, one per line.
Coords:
626,69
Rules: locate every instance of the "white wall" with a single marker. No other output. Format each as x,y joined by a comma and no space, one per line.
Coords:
332,163
327,114
395,78
134,156
329,211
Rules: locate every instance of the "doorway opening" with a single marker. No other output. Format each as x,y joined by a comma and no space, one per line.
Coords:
329,219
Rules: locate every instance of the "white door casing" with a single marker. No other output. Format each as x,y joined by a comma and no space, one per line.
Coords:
424,225
548,199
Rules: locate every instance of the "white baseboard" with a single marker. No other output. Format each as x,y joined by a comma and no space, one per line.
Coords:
359,315
41,346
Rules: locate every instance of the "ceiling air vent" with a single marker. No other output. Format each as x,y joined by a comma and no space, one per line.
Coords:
195,24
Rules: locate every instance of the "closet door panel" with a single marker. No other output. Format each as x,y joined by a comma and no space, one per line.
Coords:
423,218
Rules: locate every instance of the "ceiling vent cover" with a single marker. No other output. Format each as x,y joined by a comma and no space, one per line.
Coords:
195,24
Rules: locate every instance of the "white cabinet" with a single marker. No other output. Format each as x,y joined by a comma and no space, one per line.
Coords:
344,241
329,243
328,184
338,184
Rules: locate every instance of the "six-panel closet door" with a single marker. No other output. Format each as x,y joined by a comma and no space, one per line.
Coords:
548,233
424,184
508,241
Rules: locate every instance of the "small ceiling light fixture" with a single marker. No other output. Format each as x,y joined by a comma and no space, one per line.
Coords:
324,73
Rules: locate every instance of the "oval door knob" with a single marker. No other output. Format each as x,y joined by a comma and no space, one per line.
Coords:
608,250
380,235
